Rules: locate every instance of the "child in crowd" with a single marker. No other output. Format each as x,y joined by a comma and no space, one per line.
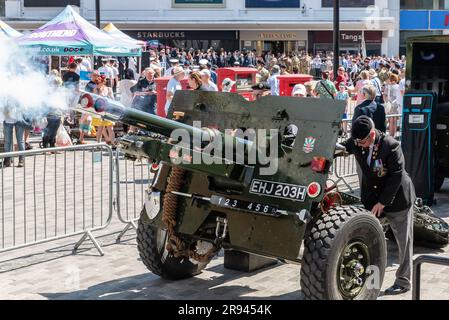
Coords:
85,126
343,95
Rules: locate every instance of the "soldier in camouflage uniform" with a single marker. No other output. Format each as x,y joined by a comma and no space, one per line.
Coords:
295,62
384,73
272,63
288,63
306,64
262,71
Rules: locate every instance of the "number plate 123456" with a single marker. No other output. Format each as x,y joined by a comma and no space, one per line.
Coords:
278,190
241,205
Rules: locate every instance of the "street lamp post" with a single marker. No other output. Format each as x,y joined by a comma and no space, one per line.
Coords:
336,36
97,13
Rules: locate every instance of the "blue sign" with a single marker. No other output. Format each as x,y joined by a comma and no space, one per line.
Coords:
414,20
272,3
153,43
439,20
85,75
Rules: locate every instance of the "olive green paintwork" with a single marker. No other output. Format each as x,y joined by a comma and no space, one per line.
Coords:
280,236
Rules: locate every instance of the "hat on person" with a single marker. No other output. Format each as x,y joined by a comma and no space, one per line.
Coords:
261,86
372,73
187,63
276,68
228,83
236,63
205,72
283,66
174,61
361,127
177,70
204,62
299,89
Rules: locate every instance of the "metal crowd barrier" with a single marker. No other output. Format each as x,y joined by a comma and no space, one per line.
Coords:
79,200
417,263
132,182
2,138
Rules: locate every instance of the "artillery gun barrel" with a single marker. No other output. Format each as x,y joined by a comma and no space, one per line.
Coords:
111,110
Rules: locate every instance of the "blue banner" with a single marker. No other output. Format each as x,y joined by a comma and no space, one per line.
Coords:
439,20
272,3
414,20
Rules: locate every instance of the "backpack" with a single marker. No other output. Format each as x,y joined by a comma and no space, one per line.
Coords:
379,118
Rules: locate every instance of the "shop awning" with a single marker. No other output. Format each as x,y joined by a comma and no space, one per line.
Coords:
114,32
70,34
6,32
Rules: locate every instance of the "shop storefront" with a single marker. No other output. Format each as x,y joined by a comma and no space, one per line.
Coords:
350,42
275,41
415,23
189,39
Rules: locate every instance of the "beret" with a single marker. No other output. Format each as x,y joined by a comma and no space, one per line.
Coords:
361,127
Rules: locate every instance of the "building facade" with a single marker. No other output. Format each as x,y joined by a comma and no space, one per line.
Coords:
283,25
423,17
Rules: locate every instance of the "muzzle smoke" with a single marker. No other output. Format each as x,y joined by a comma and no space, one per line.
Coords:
25,89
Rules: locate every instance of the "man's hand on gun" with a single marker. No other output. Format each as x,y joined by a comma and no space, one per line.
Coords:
340,151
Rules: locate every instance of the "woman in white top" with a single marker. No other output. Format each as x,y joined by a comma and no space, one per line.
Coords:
126,96
392,97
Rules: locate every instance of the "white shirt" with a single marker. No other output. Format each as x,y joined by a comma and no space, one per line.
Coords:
106,71
376,83
209,87
80,68
172,86
86,64
126,96
274,84
114,72
168,71
8,114
370,154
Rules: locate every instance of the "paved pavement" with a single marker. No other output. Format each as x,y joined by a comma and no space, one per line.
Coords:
51,271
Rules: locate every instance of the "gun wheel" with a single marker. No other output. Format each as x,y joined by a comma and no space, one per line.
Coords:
152,247
344,256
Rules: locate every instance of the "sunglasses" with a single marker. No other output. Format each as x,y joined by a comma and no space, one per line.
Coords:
364,140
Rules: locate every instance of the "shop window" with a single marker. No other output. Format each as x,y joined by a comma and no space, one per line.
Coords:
50,3
2,8
348,3
422,4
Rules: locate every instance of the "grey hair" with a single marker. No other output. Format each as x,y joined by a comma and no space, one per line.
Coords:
369,91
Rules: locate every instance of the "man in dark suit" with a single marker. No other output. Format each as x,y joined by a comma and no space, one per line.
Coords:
386,189
370,108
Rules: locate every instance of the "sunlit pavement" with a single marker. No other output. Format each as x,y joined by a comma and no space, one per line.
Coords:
51,271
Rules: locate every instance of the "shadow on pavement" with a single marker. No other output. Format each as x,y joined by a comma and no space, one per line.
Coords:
56,253
151,287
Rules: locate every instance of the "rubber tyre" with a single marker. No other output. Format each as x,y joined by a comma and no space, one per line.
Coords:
324,243
157,259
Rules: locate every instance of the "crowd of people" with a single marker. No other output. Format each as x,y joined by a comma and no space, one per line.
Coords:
371,86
